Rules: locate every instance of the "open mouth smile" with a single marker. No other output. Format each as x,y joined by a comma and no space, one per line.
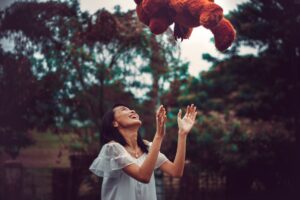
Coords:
134,116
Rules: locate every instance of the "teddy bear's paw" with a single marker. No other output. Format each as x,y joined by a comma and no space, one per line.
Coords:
211,15
224,35
158,25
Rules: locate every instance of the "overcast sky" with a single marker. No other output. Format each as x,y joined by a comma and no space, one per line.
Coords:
191,49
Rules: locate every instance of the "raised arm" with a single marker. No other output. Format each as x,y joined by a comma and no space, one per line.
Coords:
185,124
143,173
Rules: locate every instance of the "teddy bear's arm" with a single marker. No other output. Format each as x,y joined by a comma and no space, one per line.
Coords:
224,34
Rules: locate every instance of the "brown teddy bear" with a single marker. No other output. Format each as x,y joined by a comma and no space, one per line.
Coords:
186,14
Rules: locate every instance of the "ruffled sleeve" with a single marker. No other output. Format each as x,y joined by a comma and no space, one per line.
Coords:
110,160
161,158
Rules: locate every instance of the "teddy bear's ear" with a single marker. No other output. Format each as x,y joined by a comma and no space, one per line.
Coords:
181,32
224,34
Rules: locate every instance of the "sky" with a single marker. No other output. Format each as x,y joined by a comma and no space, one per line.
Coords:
191,49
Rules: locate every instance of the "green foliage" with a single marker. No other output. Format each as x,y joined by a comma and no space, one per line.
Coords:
260,141
81,64
239,148
67,67
25,103
84,142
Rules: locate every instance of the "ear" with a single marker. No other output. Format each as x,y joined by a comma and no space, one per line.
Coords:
115,124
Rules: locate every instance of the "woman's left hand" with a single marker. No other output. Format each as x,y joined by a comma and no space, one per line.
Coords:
186,123
161,118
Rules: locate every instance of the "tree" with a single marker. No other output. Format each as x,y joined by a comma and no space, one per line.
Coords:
263,87
91,59
26,102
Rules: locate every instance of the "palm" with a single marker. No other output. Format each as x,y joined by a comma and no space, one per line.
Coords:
186,123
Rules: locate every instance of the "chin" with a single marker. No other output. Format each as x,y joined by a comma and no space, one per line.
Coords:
131,123
139,122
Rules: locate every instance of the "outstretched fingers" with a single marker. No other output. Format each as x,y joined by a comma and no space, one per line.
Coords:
179,114
159,110
191,112
164,115
194,114
161,115
187,111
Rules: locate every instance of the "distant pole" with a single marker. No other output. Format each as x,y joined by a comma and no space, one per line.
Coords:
13,180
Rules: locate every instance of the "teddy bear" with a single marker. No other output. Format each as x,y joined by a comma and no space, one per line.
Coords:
158,15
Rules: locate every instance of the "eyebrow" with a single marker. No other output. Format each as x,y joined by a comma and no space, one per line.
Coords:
120,107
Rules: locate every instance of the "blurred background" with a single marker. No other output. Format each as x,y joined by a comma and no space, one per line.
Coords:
64,63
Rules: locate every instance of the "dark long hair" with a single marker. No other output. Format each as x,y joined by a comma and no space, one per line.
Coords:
109,132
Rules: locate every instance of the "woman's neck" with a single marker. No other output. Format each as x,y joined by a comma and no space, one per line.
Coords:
130,136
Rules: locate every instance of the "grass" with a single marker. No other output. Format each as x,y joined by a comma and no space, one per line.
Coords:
50,140
50,150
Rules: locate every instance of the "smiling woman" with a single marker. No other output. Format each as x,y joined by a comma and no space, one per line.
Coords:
121,116
126,162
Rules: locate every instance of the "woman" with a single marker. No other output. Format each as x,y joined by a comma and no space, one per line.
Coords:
126,162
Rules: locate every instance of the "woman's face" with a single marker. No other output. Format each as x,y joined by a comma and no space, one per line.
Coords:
124,117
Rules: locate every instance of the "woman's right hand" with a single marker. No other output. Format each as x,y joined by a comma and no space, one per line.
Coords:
160,121
144,172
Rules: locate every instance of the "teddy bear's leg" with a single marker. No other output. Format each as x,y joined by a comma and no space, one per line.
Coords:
224,34
210,15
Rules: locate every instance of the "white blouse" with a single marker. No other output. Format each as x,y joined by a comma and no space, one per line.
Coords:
117,185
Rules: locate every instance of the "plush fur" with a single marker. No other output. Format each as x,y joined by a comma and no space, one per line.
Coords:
186,14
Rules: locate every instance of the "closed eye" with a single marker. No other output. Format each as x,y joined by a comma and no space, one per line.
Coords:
124,108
